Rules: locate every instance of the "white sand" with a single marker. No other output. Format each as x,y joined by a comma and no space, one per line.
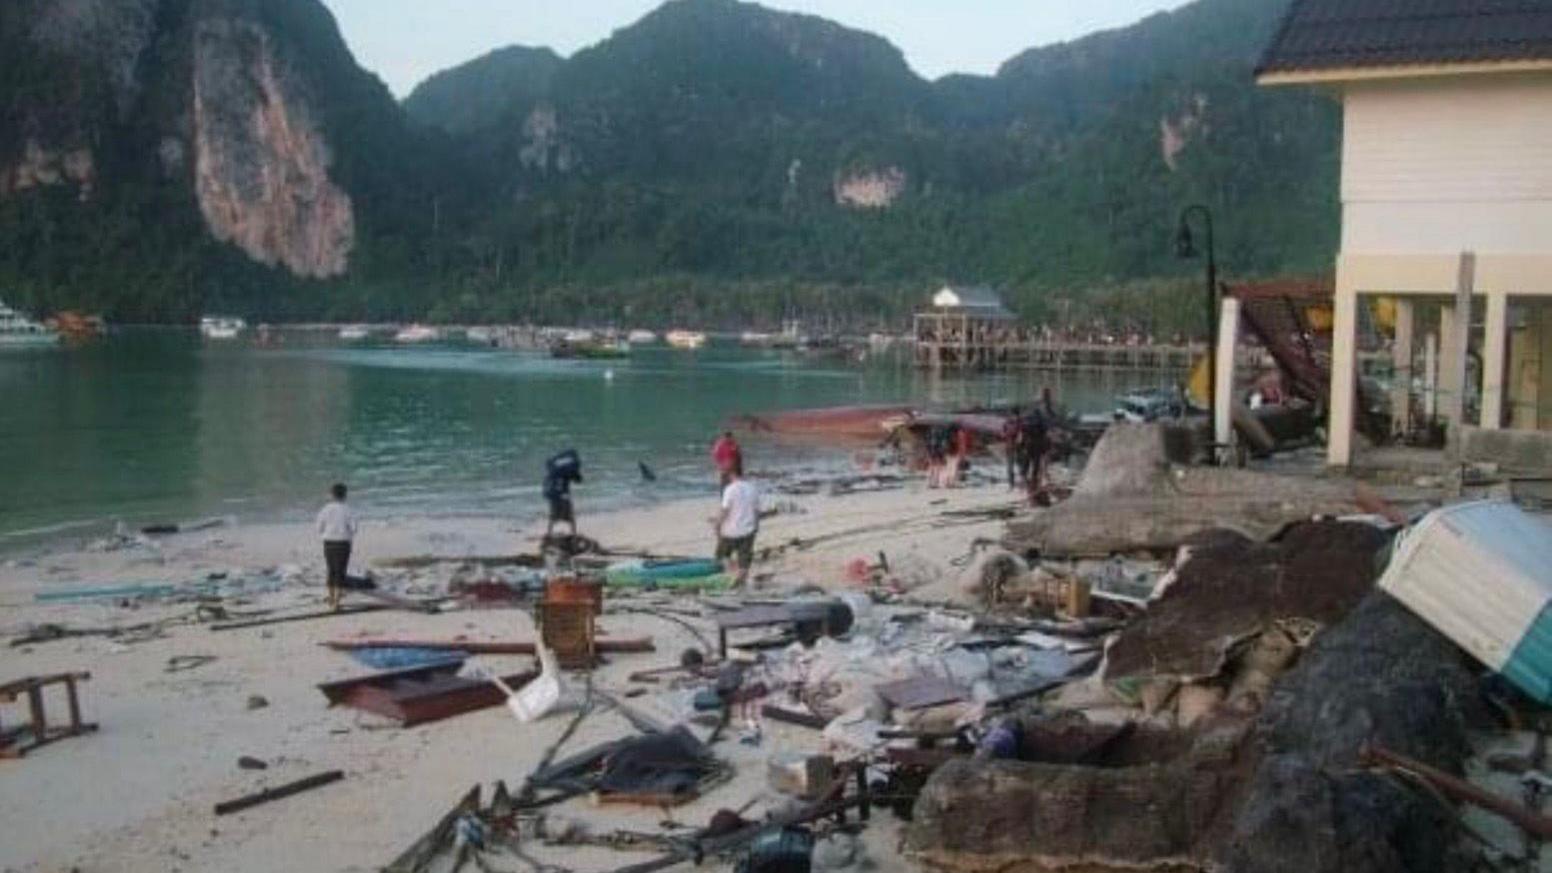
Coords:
138,795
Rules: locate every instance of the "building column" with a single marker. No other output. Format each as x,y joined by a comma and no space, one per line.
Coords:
1344,376
1444,385
1457,345
1495,340
1223,372
1401,368
1431,377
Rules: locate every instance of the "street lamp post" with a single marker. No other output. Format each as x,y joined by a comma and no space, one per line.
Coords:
1185,247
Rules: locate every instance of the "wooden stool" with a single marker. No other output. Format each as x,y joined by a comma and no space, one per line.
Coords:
40,733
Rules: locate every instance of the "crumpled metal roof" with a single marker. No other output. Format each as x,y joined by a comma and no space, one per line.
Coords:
1337,34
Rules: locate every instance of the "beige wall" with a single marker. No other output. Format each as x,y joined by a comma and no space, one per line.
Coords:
1445,165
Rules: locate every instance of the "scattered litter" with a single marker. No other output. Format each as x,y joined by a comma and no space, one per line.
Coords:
179,663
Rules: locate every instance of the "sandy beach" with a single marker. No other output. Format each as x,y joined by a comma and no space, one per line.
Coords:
138,794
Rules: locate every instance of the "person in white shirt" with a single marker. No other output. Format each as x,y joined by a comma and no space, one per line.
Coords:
737,524
337,528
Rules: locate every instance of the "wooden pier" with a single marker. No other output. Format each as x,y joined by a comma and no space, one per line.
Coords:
1054,355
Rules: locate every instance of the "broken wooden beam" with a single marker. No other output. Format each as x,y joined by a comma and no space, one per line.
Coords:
1528,820
628,645
280,791
303,616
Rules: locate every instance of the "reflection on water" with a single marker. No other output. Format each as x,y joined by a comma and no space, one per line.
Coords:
156,425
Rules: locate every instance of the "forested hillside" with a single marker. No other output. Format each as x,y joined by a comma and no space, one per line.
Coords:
715,162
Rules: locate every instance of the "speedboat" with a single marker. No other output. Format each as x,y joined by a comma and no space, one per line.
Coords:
219,327
18,330
686,339
417,333
354,333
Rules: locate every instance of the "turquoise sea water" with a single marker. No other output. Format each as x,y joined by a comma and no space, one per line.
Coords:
158,425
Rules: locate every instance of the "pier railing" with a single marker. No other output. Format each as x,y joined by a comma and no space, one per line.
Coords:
1055,355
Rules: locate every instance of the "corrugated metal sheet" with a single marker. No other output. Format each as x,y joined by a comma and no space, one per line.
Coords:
1530,667
1481,573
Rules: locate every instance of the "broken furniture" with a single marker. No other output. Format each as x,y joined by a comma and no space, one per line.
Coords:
420,694
808,620
17,742
567,620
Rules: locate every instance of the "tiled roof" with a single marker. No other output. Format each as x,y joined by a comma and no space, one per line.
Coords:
1332,34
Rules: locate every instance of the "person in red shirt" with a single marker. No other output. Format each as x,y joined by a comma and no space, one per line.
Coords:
727,455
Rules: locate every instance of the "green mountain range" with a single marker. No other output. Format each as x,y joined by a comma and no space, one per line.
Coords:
715,163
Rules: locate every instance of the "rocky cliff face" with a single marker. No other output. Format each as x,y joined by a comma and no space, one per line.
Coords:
261,162
229,107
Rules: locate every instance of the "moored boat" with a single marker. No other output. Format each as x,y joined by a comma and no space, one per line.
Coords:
354,333
593,351
19,330
686,339
221,327
417,333
641,337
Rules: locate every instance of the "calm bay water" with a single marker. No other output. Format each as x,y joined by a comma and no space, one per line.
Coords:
158,425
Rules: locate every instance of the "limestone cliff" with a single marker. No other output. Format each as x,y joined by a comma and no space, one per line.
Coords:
178,122
261,163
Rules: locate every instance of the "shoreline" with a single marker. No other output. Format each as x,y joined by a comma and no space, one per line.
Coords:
138,794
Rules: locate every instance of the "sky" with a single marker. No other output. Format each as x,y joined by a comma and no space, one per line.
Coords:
404,41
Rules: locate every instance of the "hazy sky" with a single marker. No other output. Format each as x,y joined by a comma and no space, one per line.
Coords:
404,41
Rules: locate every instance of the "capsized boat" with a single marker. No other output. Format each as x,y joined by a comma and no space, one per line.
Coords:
869,422
221,327
688,340
18,330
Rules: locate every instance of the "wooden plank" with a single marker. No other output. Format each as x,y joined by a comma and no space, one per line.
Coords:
623,645
305,616
248,801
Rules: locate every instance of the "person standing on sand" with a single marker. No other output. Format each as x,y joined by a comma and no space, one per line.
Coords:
737,524
726,454
559,472
337,528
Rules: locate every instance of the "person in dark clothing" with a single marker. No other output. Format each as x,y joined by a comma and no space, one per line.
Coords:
1036,438
559,474
1013,447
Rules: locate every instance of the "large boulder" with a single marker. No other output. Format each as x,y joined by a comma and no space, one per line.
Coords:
1281,795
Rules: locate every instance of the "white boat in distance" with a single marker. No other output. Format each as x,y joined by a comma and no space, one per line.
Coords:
641,337
354,333
417,333
686,339
18,330
219,327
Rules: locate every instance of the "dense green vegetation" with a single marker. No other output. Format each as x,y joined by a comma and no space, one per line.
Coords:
685,169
